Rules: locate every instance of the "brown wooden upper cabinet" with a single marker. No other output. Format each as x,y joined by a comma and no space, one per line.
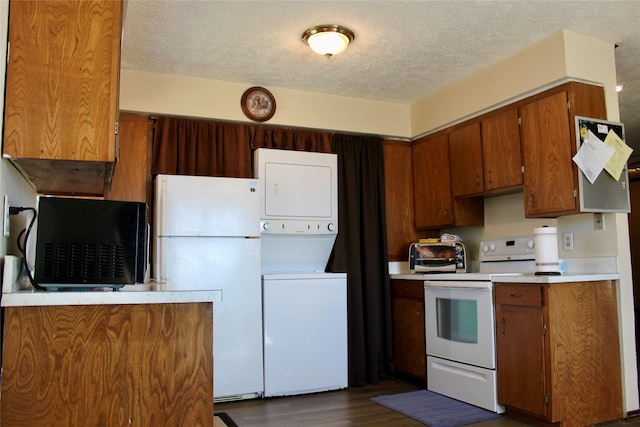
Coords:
434,205
61,101
501,152
132,178
432,182
549,144
398,185
465,150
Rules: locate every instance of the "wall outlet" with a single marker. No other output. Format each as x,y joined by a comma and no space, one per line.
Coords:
567,240
598,221
5,217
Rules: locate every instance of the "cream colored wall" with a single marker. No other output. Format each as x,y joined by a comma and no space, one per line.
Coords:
510,79
194,97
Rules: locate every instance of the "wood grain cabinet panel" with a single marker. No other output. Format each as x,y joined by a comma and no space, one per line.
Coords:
61,101
549,186
557,348
409,347
398,183
501,152
549,144
432,182
108,365
132,177
465,156
434,205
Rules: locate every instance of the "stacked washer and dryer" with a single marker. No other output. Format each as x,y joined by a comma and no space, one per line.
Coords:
304,308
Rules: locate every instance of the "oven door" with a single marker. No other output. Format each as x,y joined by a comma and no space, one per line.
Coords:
459,322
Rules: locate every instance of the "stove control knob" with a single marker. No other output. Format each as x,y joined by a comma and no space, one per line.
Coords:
331,227
485,248
531,243
266,226
492,247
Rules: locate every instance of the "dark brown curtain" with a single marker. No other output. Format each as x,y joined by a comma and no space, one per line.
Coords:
201,147
291,139
361,251
209,148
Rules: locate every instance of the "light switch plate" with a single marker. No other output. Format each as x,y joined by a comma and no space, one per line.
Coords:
5,217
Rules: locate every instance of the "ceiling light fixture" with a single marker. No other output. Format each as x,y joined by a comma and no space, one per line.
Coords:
328,40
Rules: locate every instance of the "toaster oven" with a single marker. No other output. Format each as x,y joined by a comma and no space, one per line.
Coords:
441,257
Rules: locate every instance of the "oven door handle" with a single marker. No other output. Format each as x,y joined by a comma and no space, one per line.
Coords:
466,286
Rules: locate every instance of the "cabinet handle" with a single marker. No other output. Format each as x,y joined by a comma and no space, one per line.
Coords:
531,201
515,295
502,325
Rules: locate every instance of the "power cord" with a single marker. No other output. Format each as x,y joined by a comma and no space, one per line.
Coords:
22,245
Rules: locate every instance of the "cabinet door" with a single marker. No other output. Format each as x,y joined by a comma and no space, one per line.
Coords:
465,150
520,359
501,151
549,187
398,184
106,365
61,97
432,182
409,348
132,176
520,348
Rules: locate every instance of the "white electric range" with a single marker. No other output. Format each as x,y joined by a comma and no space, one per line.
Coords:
460,323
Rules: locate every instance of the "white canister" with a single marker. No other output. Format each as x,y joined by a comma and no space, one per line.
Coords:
546,242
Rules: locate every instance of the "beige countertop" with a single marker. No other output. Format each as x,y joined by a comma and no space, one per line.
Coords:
563,278
144,293
129,294
513,278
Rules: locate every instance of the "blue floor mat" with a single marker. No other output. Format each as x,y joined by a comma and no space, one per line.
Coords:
433,409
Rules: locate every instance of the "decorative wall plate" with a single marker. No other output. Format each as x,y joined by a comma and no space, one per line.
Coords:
258,104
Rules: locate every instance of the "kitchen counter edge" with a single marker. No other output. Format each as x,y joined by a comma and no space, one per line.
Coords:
533,279
526,278
130,294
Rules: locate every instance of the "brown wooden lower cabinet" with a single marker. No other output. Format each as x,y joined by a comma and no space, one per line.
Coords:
108,365
557,348
409,349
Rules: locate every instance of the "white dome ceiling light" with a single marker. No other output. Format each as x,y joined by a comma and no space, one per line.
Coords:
328,40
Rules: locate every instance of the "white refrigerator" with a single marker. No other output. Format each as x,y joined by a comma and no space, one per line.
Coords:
206,237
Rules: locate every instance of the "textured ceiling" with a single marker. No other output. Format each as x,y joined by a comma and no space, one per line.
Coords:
403,50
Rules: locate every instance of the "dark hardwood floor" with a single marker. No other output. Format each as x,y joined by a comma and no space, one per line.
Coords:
342,408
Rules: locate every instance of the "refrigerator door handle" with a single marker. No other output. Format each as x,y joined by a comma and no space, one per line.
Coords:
162,198
162,260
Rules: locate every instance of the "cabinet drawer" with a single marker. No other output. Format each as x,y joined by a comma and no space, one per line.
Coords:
407,288
524,295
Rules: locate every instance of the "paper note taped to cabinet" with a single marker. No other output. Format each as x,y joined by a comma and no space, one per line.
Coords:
622,152
593,156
